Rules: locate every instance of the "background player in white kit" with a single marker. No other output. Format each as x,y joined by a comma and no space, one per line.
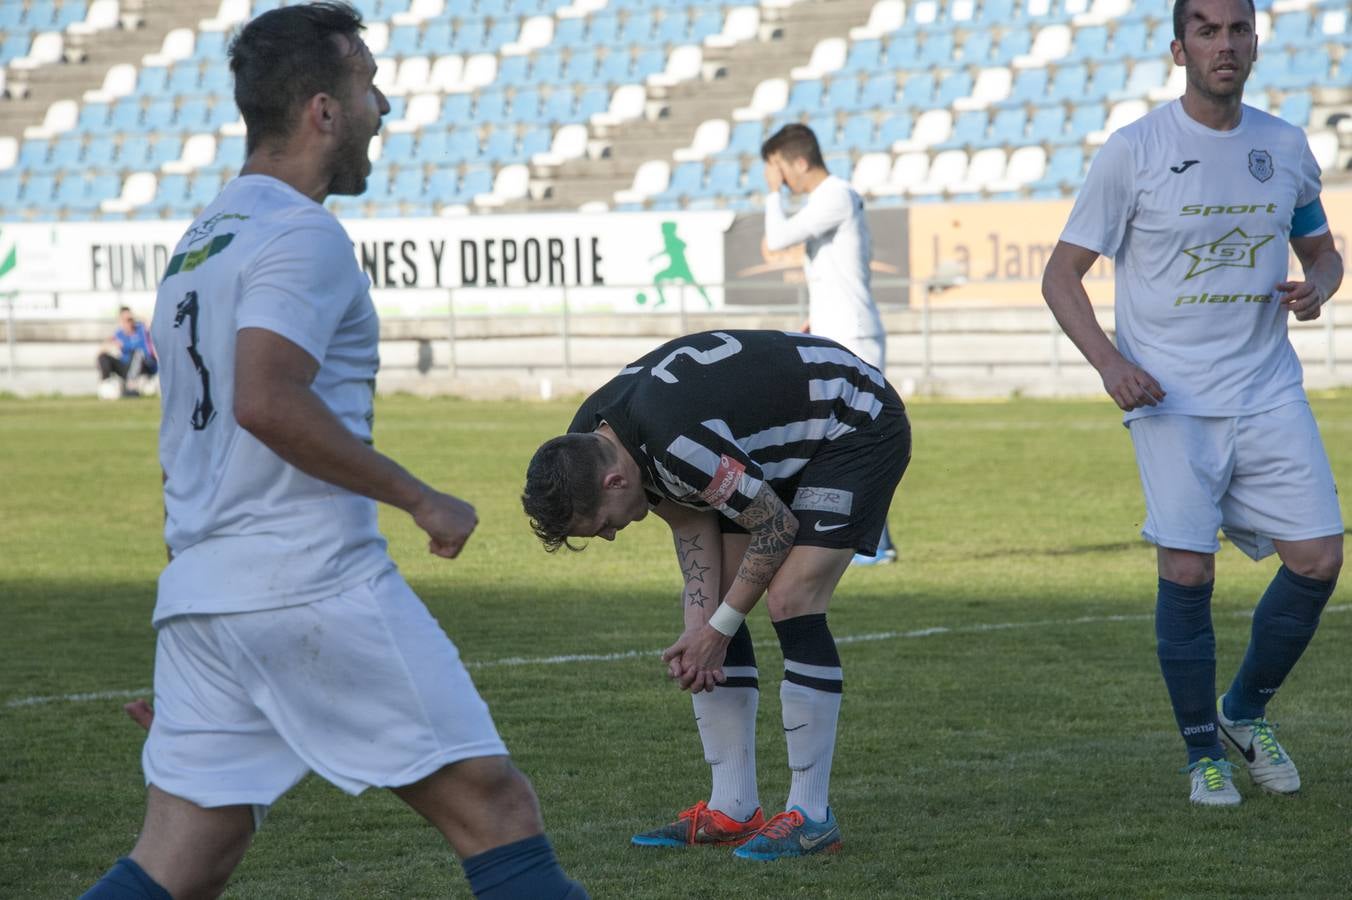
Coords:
288,642
837,252
1196,203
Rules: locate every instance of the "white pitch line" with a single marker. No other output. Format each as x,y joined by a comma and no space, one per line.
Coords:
934,631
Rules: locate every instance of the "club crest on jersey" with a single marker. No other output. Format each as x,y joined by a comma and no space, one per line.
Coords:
1260,164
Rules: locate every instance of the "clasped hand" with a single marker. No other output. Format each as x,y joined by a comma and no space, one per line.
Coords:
695,661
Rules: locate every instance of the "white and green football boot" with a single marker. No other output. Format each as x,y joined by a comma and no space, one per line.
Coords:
1213,782
1255,741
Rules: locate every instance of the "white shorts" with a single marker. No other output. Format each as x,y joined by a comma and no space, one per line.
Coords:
1257,478
363,688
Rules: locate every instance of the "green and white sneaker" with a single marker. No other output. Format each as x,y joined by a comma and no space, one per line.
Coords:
1255,741
1213,782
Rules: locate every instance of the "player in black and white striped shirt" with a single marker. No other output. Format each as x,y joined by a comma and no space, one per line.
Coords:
773,457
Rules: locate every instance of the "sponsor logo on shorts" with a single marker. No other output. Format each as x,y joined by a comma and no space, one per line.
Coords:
724,483
817,499
818,526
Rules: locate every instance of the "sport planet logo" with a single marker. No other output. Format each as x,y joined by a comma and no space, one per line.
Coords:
1234,249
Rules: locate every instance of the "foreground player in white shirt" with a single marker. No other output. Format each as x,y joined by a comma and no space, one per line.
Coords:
287,641
1196,202
838,250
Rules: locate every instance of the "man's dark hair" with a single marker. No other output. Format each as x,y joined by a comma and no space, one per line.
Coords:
794,141
284,57
563,484
1181,17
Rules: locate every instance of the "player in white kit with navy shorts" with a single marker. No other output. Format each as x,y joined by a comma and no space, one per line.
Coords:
1197,203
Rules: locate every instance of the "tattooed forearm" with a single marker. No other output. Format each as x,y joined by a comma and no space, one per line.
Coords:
693,571
773,527
696,597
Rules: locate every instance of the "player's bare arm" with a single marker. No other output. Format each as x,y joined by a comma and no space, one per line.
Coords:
1129,385
697,541
1323,268
274,403
772,527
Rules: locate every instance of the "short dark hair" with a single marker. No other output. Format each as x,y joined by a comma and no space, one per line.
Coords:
283,58
1181,17
794,141
563,484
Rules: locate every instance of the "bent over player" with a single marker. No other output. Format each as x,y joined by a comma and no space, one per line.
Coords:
288,642
1196,203
773,458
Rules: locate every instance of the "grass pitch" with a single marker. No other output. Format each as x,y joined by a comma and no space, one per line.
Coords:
1005,731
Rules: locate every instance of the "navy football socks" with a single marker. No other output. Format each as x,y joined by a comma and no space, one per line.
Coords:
126,881
1283,624
522,870
1187,651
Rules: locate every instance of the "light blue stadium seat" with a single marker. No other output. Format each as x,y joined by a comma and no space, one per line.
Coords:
1130,41
1296,109
194,114
159,114
879,92
937,49
397,147
504,31
753,180
204,188
858,133
1145,75
843,93
839,164
443,184
11,14
38,190
535,140
969,129
471,36
649,61
16,44
230,151
996,12
1065,169
1013,43
903,52
1090,43
512,71
864,56
166,148
559,105
431,145
896,127
1069,82
408,184
804,96
456,109
1109,78
686,179
476,180
1047,125
500,145
824,127
185,77
462,145
1030,86
955,85
724,177
918,92
1291,29
210,46
637,27
1304,67
570,33
1085,118
126,114
976,48
100,152
745,140
223,111
93,117
171,190
594,99
603,30
1006,129
707,22
216,79
614,68
405,40
134,152
490,106
438,37
581,66
378,182
152,81
525,106
546,67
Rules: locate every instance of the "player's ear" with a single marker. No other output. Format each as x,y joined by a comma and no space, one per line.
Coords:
613,480
1176,50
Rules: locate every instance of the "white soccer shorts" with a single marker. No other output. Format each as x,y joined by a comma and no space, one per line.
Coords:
363,688
1257,478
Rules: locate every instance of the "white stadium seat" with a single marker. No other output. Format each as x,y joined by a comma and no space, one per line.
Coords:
987,168
536,32
178,44
377,37
481,69
1051,43
871,171
419,11
1324,146
827,57
925,12
137,190
1026,165
710,137
570,142
447,73
413,75
1123,113
9,149
102,15
228,15
683,63
741,24
651,178
948,169
47,48
769,97
908,169
933,126
626,104
61,117
886,17
512,183
198,150
423,109
992,86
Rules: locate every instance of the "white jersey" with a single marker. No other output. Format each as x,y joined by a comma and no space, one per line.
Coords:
833,227
247,530
1198,222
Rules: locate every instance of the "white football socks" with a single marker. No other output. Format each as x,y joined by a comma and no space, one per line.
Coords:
810,718
727,727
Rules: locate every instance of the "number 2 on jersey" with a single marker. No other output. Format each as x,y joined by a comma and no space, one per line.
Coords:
204,410
731,346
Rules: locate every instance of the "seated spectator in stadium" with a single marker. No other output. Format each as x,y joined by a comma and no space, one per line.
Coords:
126,356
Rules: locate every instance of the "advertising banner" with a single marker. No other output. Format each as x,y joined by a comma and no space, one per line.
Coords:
605,262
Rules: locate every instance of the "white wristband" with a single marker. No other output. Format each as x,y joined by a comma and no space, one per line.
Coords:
726,620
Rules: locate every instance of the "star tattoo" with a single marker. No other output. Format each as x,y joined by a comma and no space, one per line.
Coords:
696,572
697,598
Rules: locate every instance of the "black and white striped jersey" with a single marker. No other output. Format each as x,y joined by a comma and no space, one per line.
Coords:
711,416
